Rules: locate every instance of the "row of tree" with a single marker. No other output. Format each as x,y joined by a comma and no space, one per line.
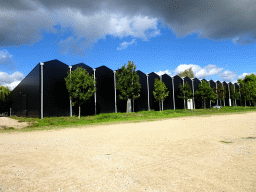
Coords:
246,91
81,87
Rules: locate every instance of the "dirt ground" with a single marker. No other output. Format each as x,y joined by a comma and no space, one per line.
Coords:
181,154
6,122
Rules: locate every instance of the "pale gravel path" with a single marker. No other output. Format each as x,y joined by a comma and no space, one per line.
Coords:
8,122
182,154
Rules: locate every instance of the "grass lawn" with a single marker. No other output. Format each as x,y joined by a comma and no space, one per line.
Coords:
51,123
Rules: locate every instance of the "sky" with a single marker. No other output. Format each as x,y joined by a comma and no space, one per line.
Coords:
216,38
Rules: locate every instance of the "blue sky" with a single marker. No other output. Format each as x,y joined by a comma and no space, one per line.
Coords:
216,38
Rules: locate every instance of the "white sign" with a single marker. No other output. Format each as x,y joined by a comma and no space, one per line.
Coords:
129,106
190,103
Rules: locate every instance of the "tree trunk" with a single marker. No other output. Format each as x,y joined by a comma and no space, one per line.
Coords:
127,106
204,104
245,103
79,112
250,103
159,106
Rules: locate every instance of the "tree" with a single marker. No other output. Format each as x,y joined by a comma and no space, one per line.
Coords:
205,92
80,86
248,88
128,83
244,91
4,97
234,94
185,92
187,73
160,92
221,91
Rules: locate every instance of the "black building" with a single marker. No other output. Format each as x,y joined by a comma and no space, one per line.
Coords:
43,93
26,97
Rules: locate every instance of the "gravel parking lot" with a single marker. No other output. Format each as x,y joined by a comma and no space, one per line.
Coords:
206,153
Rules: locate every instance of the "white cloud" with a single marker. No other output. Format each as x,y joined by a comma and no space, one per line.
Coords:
6,60
228,76
168,72
204,72
243,75
199,72
88,29
10,80
124,45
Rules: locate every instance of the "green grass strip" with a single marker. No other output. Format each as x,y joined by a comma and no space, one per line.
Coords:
51,123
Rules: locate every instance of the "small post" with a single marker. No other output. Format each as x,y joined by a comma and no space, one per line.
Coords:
229,96
148,93
95,92
162,99
235,93
115,90
10,111
210,100
70,101
184,93
193,93
240,94
217,93
203,100
132,99
223,93
42,91
173,98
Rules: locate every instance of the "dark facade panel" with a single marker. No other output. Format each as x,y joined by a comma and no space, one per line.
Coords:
26,95
179,102
151,80
121,103
84,66
141,103
225,86
237,102
218,101
221,99
55,94
105,94
168,102
88,108
212,85
189,81
198,102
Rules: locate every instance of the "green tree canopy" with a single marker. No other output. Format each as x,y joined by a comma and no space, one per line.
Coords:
187,73
234,94
248,88
127,82
4,98
80,86
221,91
4,93
205,92
160,92
185,92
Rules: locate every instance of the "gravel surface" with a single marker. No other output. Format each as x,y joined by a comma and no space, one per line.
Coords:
180,154
8,122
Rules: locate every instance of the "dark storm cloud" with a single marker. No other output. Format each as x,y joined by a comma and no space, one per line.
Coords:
22,21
